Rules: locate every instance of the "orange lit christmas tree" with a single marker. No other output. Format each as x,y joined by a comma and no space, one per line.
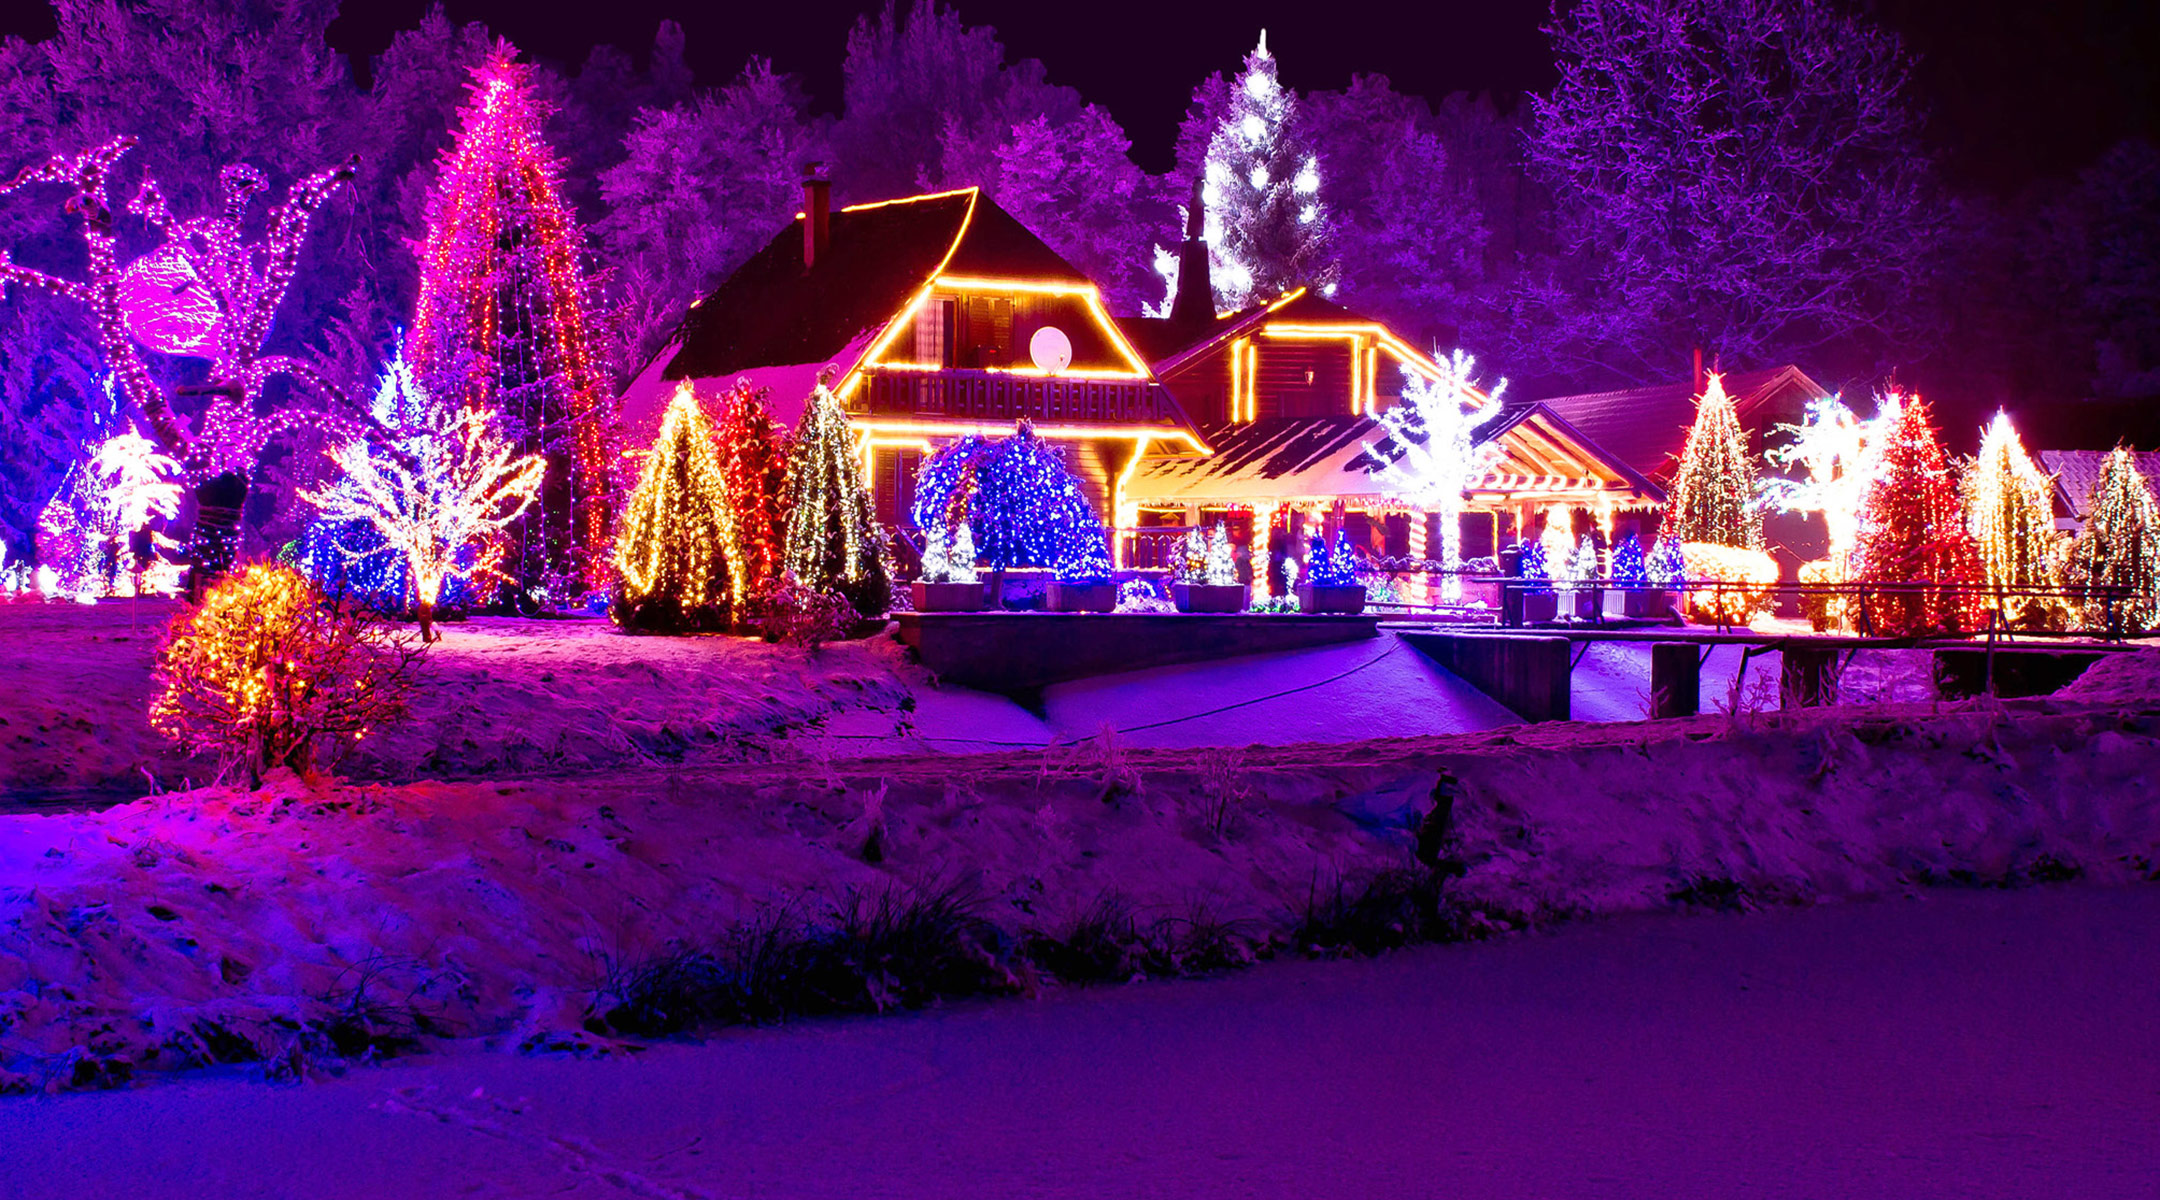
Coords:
503,323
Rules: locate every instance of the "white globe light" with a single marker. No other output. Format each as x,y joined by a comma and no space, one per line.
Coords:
1051,349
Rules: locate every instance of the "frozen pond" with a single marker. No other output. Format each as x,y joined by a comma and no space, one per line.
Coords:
1969,1044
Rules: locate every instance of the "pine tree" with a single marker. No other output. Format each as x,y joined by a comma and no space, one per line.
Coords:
672,558
753,464
2119,547
2009,509
1630,569
833,542
1266,227
1912,531
502,320
1714,492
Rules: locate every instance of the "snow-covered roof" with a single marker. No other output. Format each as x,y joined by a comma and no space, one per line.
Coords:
1323,459
774,312
1646,427
2076,471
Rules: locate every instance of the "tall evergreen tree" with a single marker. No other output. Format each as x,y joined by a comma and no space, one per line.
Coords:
1912,531
503,323
1713,494
1267,229
833,540
2119,547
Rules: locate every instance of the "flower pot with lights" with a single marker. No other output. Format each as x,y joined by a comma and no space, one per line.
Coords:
1339,599
1211,597
949,582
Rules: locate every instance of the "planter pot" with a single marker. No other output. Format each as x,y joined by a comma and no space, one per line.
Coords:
1540,606
1646,602
1210,597
1082,597
1348,599
947,597
1588,604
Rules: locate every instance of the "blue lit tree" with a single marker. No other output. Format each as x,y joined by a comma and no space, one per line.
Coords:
1019,500
1630,569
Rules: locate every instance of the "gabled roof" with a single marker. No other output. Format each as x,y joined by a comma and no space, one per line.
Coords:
2076,471
1646,427
773,312
1305,459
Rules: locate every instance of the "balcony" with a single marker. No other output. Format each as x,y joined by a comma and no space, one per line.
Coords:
979,395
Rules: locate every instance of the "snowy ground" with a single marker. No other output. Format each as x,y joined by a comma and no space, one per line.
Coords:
525,698
1953,1044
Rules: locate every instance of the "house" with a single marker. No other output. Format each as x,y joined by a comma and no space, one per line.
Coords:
1287,395
937,316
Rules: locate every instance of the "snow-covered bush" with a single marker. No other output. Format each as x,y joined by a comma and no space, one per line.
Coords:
267,674
803,616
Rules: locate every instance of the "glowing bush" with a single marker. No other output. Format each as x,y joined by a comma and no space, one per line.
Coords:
1824,612
1708,563
267,674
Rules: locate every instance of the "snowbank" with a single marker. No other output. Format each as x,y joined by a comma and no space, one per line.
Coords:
218,925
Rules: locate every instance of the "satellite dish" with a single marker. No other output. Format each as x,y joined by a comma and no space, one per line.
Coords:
1051,349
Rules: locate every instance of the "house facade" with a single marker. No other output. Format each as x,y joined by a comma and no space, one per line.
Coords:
935,317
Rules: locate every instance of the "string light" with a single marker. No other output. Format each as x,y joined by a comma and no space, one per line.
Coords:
1433,451
503,317
673,554
1912,531
2010,511
2119,547
1713,493
438,500
1024,507
832,540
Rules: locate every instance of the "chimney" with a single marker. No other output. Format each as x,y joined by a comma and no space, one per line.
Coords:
1699,380
817,215
1195,302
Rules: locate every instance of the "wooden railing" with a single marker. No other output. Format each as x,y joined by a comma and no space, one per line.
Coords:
1152,547
997,396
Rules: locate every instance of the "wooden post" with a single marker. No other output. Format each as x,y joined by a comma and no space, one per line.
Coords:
1675,680
1807,677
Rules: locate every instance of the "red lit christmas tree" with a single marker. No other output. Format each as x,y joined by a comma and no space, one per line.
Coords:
502,321
1912,532
753,463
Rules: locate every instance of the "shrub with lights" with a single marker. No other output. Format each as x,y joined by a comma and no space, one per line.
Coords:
1024,507
673,567
267,674
2119,547
1331,564
1743,581
1630,569
1914,557
832,539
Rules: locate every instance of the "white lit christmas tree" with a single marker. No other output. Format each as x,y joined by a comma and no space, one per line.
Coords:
439,495
1266,227
1434,435
832,540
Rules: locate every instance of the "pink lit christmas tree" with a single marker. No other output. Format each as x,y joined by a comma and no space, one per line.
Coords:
503,322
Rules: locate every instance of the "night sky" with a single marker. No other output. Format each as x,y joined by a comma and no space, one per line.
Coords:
2020,90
